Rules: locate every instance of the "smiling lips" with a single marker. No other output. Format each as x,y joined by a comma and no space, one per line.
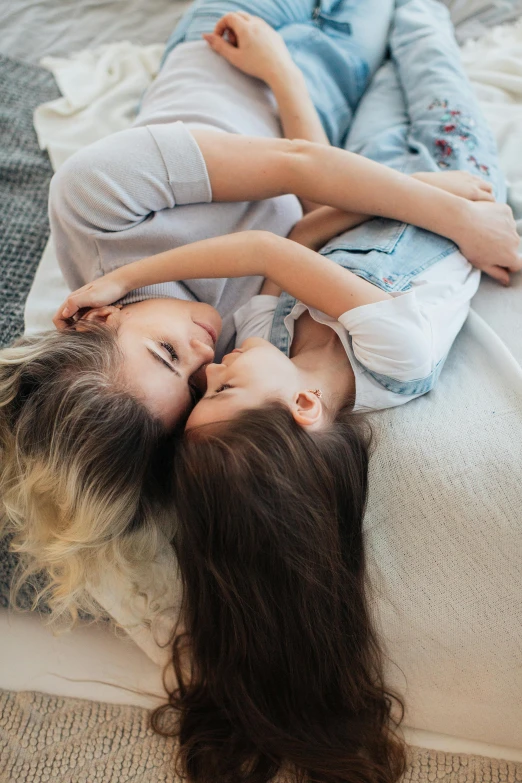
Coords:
209,330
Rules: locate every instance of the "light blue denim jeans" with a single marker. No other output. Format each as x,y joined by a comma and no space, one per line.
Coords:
419,114
337,44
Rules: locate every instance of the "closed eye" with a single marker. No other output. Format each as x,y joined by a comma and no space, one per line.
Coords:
170,350
222,388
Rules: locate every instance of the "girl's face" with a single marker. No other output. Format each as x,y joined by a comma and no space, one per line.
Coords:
250,376
167,345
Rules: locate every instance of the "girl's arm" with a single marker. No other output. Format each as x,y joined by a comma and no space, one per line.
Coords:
251,45
243,168
315,230
316,280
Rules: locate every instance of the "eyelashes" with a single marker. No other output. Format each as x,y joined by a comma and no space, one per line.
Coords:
223,387
170,350
194,390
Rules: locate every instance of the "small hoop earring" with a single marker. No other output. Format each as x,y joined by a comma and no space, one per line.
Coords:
317,392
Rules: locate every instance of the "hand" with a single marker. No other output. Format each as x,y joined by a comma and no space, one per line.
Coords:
252,46
489,239
460,183
104,291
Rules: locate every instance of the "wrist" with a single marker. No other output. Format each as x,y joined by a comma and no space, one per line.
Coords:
128,277
285,78
458,218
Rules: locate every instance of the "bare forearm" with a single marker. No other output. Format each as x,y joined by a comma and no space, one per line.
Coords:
234,255
305,274
302,272
299,117
355,184
317,228
248,169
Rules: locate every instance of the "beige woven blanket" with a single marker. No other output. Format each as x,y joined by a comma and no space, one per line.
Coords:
50,739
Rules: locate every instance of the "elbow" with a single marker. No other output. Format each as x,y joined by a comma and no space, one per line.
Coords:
265,248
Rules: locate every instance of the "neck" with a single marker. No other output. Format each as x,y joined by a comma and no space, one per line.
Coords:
322,362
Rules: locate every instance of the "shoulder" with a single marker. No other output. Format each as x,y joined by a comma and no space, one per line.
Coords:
254,319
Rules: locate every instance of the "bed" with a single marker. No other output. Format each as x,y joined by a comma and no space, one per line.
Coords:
444,532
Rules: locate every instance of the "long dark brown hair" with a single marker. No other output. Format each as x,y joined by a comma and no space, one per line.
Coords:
277,663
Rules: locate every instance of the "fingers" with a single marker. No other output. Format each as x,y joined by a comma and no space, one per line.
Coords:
516,266
485,190
59,322
65,313
64,316
226,49
498,273
481,194
234,21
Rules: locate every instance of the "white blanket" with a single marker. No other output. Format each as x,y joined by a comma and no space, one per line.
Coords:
444,537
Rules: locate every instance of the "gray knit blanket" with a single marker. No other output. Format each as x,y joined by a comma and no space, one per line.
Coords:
60,740
25,172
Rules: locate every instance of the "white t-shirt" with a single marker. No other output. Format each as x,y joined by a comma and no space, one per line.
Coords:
404,337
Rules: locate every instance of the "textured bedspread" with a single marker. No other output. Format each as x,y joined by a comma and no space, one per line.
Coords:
48,738
25,172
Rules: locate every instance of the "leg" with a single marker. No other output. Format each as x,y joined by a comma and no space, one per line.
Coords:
447,126
338,44
381,124
419,114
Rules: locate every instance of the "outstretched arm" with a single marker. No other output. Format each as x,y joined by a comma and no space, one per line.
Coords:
485,232
305,274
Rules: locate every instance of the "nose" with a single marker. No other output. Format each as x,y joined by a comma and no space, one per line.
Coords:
203,352
214,371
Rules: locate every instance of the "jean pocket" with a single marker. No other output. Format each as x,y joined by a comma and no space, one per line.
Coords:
377,234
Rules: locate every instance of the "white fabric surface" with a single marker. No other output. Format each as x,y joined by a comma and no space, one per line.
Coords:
32,29
404,337
494,65
444,540
444,520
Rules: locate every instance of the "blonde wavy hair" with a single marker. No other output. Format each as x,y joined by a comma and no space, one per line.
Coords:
81,489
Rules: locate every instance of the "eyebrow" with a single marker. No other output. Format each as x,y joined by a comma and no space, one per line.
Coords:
163,361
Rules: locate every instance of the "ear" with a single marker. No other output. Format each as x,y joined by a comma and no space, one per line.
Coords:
308,410
109,315
102,315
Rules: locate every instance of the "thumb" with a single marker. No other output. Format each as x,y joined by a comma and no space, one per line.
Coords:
221,47
498,273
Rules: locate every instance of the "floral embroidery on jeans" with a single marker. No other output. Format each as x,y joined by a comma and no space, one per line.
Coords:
479,166
459,128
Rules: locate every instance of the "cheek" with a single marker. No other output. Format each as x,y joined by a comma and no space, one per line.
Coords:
201,415
167,404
